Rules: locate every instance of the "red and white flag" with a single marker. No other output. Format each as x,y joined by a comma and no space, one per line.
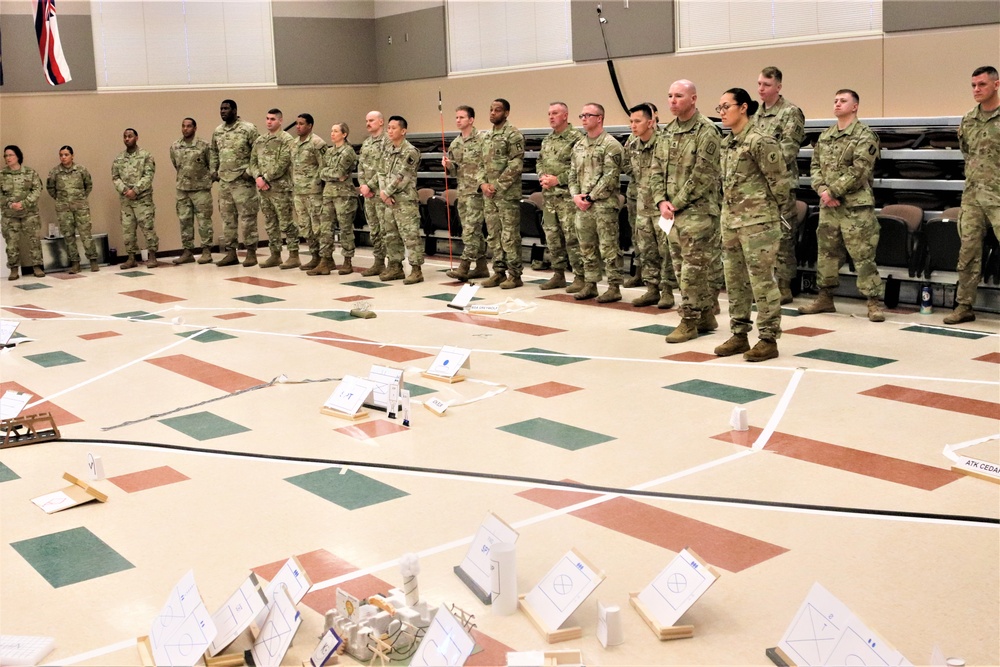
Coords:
49,47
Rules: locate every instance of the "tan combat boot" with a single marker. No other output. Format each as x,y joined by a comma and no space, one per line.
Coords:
962,313
557,280
737,343
151,262
347,268
75,268
416,276
228,259
578,284
636,280
94,268
481,270
206,255
766,348
15,273
251,258
651,296
785,288
666,301
37,270
822,304
393,272
376,269
495,279
687,330
875,313
612,294
187,257
273,260
322,268
293,260
512,282
707,321
460,272
589,291
129,263
312,263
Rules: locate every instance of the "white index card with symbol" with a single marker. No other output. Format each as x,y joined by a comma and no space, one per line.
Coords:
350,395
446,643
563,589
476,564
677,587
448,361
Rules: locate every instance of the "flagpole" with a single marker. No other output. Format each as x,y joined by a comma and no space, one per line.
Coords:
444,150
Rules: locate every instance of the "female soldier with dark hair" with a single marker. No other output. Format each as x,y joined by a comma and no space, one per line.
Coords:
20,189
70,185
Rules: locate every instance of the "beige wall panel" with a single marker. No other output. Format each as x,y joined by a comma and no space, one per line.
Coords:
93,124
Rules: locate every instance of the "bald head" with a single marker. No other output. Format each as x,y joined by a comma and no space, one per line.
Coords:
685,85
683,98
374,122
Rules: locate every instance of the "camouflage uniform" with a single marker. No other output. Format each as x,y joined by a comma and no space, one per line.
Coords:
686,172
230,159
979,139
194,190
842,164
650,241
271,159
70,188
754,190
559,219
465,154
503,161
21,185
369,166
135,171
307,160
785,122
340,200
401,225
595,170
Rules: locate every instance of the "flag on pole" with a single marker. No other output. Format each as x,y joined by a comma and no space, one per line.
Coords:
49,47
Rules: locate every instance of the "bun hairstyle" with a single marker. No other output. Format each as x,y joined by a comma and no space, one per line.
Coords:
743,97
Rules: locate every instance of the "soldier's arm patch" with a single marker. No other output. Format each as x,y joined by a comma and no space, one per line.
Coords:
871,149
710,149
772,157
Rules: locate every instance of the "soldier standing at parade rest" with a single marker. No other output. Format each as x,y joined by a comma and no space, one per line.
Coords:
594,175
271,168
754,191
462,161
559,219
398,192
843,167
20,188
785,122
191,158
340,200
132,174
307,159
500,178
70,185
230,149
979,139
369,167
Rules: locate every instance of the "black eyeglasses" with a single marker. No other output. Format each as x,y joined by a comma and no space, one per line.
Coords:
723,108
585,116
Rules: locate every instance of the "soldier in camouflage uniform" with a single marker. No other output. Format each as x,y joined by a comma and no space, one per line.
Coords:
500,178
594,177
979,139
70,185
686,187
559,219
230,149
462,162
271,168
307,160
842,168
340,198
20,188
398,191
132,174
369,166
191,158
785,122
754,190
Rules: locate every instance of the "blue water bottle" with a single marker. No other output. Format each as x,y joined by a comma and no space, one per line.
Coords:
926,306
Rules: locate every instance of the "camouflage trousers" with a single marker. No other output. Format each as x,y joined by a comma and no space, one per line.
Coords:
338,213
401,232
503,228
597,230
633,211
696,247
856,229
787,265
559,224
972,223
374,211
308,215
748,254
195,206
653,250
238,205
278,220
470,213
16,230
73,221
139,214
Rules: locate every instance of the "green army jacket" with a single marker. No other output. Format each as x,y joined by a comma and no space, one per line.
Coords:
843,164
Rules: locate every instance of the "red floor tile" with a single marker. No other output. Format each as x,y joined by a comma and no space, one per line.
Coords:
233,316
807,331
549,389
931,399
364,346
494,653
494,322
888,468
61,417
155,297
624,304
690,356
31,311
63,275
260,282
371,429
557,498
356,297
202,371
147,479
99,335
992,357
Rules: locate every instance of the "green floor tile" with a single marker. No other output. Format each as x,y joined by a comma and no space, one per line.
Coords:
723,392
541,356
555,433
133,274
6,474
416,390
203,426
210,336
33,286
49,359
366,284
658,329
537,281
352,490
70,556
938,331
847,358
138,315
258,299
336,315
450,297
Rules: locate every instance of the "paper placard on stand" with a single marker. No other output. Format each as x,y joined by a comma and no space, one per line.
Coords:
384,378
436,405
280,626
12,403
464,296
447,363
475,568
328,645
7,329
346,400
182,631
237,613
559,593
77,493
483,309
978,468
672,592
293,579
445,643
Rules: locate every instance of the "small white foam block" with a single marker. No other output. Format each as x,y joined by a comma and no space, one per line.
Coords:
738,420
609,625
436,405
96,467
20,650
483,309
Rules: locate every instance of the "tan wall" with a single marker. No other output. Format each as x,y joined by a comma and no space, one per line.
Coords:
93,124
